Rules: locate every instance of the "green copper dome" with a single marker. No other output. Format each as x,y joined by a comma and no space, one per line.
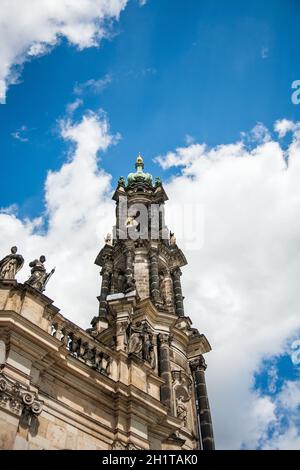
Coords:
139,176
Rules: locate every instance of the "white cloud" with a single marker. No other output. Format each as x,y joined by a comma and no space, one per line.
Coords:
283,126
29,28
21,134
260,133
189,139
241,286
78,201
289,440
183,156
272,378
286,436
92,85
71,107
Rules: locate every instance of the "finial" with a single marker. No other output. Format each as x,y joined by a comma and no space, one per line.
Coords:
139,161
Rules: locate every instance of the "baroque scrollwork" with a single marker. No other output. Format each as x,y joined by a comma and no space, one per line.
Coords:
17,398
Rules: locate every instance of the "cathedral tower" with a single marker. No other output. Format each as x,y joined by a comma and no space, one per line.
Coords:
136,378
141,303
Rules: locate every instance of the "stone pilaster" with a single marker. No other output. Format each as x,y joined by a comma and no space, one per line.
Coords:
165,370
154,277
198,367
178,299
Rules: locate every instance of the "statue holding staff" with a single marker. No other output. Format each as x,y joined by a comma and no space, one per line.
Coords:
39,277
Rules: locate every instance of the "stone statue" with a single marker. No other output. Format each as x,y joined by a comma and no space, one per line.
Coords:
172,239
11,264
181,409
147,346
157,181
148,352
129,284
39,277
140,343
166,288
121,181
108,239
135,343
152,357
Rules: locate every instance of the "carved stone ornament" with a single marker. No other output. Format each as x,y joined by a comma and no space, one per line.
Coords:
132,446
198,364
165,339
119,445
108,239
17,398
181,409
182,384
175,436
121,327
140,343
135,343
172,239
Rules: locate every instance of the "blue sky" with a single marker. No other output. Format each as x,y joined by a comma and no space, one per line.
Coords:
205,69
169,76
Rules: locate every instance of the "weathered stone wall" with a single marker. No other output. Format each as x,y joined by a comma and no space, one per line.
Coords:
84,405
141,272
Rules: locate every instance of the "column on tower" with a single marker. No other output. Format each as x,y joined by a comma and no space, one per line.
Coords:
129,256
198,367
154,276
178,298
165,370
106,273
114,282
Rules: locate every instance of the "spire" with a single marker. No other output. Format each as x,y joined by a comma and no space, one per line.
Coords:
139,164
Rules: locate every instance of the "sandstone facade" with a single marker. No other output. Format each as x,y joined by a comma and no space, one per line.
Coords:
135,380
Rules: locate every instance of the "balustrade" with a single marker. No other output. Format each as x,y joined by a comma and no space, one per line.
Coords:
82,347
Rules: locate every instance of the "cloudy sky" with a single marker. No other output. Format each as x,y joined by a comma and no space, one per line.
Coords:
203,89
